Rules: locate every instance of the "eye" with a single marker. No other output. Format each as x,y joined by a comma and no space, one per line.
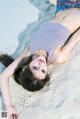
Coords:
44,71
34,67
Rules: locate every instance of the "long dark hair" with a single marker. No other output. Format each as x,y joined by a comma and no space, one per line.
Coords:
26,78
23,75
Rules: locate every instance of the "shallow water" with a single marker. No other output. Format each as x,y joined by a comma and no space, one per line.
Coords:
19,20
46,12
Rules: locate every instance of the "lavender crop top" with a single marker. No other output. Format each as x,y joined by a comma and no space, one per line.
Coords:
49,38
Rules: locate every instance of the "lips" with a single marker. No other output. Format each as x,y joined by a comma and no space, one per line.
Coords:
41,60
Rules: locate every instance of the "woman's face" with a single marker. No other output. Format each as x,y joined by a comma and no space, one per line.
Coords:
38,67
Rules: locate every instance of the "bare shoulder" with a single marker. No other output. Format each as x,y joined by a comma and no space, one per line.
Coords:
60,56
55,56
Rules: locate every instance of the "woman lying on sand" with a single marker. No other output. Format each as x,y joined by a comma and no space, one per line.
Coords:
51,45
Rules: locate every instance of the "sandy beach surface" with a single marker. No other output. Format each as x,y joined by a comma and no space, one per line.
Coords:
60,98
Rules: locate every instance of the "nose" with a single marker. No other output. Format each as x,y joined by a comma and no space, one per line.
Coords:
39,65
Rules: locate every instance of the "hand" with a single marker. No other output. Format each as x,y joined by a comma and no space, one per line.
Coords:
12,113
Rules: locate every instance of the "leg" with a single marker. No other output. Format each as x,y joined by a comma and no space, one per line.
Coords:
62,53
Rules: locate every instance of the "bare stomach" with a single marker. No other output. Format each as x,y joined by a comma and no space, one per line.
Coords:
69,18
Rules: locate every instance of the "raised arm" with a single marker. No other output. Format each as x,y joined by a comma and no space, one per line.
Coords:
62,53
4,78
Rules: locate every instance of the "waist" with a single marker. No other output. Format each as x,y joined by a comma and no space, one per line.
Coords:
50,36
61,26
